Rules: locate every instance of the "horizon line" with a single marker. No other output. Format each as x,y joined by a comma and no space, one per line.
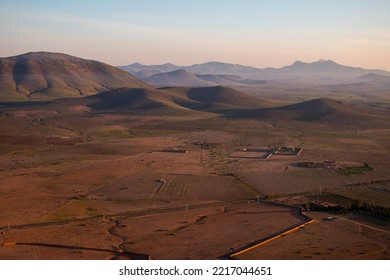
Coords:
207,61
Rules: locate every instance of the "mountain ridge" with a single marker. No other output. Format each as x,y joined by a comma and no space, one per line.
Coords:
321,69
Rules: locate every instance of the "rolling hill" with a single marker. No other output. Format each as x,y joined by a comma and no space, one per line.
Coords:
177,78
211,99
325,111
374,78
146,73
183,78
216,98
149,101
48,76
224,101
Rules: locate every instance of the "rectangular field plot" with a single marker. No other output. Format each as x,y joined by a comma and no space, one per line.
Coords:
253,153
76,240
335,239
296,181
174,187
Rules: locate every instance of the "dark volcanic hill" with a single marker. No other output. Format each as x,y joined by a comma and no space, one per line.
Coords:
215,98
48,76
322,109
209,99
326,111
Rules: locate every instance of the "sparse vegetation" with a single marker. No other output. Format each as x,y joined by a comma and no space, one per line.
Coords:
341,205
356,170
371,210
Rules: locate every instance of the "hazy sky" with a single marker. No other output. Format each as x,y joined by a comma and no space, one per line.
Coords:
259,33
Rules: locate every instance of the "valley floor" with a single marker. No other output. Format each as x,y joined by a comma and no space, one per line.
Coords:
111,186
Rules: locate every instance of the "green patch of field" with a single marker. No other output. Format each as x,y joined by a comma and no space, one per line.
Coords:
355,170
334,198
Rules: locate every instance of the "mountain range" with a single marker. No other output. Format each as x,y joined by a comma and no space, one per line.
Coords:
49,76
81,86
322,71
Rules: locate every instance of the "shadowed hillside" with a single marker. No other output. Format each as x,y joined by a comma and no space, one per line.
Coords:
152,101
215,98
210,99
322,110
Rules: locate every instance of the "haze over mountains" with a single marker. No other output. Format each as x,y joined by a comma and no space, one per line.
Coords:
48,76
184,78
322,71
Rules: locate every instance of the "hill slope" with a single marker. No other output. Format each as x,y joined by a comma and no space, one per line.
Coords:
183,78
326,111
209,99
48,76
150,101
215,98
178,78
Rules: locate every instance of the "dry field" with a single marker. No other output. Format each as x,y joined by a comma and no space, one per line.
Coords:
102,179
326,239
206,233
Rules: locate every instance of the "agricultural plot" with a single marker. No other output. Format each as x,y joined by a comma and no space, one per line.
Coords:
252,153
79,240
149,190
295,181
332,198
353,170
328,239
203,234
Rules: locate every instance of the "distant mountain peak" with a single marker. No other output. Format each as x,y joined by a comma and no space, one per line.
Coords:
326,61
169,64
298,62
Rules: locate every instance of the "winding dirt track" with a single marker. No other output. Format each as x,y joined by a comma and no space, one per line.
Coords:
131,213
121,252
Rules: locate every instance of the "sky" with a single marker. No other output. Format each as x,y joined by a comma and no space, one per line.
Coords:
259,33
